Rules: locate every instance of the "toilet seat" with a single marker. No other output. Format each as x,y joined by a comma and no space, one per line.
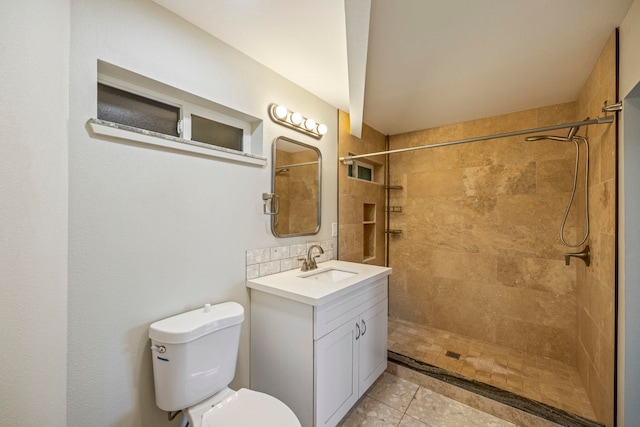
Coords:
247,408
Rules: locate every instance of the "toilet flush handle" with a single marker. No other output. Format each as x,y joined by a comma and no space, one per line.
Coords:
159,348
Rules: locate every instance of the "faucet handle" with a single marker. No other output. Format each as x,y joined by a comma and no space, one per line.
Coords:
305,265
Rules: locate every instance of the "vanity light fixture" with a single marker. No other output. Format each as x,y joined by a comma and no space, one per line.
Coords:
281,112
294,120
310,124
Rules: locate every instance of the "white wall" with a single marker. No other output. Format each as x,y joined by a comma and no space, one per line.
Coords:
155,232
629,58
34,106
629,222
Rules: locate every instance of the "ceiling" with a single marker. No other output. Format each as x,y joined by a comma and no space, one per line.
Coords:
425,63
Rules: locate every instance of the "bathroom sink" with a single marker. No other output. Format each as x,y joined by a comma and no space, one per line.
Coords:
330,281
330,275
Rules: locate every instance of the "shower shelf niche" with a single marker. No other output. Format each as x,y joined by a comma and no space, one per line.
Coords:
368,232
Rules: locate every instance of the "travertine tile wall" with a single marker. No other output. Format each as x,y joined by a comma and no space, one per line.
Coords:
353,194
480,254
596,289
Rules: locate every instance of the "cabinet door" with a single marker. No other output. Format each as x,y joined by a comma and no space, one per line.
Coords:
336,375
373,345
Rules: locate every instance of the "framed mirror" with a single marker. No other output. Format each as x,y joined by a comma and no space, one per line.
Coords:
296,182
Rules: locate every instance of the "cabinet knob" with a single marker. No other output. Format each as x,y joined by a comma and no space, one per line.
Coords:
358,329
364,327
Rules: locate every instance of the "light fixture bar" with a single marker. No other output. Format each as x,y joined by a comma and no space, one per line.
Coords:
294,120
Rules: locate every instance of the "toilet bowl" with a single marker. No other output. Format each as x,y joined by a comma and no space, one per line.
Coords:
244,407
194,359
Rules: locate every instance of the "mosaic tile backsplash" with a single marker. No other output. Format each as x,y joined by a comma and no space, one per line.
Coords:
267,261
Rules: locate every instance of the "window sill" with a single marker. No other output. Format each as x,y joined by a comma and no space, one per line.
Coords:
104,128
364,180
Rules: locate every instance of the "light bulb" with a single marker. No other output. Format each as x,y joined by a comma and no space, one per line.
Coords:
296,119
281,112
309,124
322,129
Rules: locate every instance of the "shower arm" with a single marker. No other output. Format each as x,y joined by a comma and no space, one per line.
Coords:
597,121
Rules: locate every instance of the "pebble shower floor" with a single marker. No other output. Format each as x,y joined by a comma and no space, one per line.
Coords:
534,377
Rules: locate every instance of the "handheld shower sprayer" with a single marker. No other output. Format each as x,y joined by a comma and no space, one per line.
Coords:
572,137
568,138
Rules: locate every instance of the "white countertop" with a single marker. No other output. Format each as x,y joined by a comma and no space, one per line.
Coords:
290,284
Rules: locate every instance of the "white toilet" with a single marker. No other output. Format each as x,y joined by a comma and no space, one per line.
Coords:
194,360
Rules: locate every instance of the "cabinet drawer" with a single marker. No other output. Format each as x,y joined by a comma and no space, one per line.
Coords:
330,316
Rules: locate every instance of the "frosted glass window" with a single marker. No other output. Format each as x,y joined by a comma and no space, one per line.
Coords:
119,106
216,133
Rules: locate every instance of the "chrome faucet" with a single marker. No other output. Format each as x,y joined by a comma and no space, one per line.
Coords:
309,263
584,255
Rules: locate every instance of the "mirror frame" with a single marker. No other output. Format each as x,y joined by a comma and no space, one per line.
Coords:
273,185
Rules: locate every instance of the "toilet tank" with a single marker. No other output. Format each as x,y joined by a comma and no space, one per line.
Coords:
194,354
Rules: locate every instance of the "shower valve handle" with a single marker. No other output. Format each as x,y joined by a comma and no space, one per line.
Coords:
584,255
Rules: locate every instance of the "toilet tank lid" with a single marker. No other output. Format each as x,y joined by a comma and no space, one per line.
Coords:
194,324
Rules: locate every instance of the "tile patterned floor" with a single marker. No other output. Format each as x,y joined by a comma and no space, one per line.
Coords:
544,380
395,402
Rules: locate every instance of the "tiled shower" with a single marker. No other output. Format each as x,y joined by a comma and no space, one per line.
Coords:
476,255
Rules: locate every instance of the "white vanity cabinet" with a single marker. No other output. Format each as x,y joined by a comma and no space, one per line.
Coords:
348,360
319,359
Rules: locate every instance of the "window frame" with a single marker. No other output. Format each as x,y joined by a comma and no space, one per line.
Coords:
358,164
122,79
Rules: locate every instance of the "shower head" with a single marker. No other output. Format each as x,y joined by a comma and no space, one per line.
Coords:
568,138
550,137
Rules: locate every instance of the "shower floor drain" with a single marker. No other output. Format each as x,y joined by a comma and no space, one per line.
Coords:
453,355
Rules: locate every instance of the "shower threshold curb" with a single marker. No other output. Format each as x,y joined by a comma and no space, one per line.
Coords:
499,395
